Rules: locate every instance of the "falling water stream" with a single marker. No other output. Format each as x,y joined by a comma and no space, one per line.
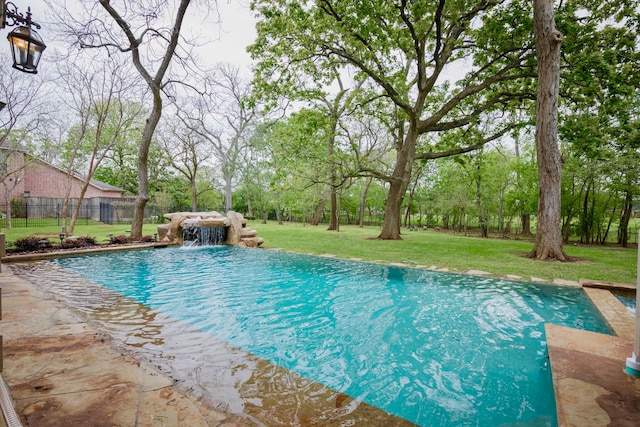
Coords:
204,236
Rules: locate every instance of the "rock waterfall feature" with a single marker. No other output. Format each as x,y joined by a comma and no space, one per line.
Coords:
208,228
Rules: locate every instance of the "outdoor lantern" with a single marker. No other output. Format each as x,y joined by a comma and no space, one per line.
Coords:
27,47
26,44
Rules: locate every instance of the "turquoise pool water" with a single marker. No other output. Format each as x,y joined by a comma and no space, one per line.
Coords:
433,348
629,302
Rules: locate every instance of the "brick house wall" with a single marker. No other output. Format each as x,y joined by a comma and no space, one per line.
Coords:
38,179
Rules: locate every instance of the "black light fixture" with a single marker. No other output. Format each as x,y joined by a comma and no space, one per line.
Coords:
26,44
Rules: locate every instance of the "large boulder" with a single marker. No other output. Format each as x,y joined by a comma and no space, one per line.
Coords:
234,234
237,234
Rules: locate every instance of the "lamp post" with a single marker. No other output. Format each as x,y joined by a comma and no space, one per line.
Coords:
26,44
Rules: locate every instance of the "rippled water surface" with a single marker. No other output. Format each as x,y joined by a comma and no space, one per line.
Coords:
628,301
433,348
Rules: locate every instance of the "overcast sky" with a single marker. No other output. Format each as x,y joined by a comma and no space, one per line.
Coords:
229,39
237,31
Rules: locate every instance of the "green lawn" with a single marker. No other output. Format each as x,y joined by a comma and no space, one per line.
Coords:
455,252
426,248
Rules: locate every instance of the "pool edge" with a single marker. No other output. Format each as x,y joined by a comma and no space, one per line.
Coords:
590,384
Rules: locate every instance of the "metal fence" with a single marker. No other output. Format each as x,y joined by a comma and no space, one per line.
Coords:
48,212
42,212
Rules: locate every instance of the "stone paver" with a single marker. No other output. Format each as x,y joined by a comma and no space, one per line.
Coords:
590,383
615,313
478,273
563,282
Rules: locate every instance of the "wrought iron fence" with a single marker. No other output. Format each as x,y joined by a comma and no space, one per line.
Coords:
42,212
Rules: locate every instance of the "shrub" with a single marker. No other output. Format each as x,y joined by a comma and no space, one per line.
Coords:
146,239
80,242
29,244
120,239
86,240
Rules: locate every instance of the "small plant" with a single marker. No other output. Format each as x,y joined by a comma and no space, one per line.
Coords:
86,240
120,239
146,239
80,242
30,244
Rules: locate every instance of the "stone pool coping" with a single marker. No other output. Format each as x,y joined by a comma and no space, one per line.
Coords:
590,384
39,256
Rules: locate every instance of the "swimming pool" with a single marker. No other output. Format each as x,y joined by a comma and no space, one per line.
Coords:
433,348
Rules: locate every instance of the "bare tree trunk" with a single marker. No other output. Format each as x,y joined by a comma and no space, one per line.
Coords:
525,219
585,222
482,219
623,229
249,208
9,225
363,203
143,168
333,207
228,192
399,183
548,243
605,233
338,209
76,210
566,227
319,211
333,198
407,215
7,200
194,196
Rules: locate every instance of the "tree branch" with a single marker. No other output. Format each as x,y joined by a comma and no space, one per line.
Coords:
467,149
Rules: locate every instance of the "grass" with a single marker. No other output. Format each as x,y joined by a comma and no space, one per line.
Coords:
94,229
426,248
454,252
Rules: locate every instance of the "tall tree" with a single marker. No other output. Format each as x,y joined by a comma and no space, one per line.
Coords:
298,157
149,32
21,118
407,48
186,151
336,107
97,96
225,119
600,99
548,244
